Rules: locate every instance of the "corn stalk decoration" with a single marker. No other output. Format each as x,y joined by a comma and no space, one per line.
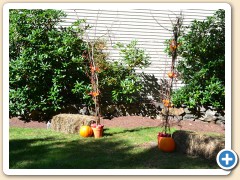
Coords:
93,66
95,86
173,45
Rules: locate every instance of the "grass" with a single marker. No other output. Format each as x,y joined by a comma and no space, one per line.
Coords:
118,149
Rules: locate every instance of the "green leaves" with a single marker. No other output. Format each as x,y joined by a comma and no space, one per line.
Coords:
118,82
132,56
49,69
45,63
202,66
128,89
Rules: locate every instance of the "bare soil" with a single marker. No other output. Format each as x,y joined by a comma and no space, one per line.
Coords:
134,122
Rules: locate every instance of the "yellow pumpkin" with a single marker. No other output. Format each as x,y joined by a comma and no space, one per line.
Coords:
86,131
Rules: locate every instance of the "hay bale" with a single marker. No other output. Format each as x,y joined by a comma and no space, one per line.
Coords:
173,111
198,144
70,123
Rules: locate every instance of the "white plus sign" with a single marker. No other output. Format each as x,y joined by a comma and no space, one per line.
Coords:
227,159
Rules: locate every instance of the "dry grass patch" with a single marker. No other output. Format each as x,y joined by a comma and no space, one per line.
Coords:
199,144
70,123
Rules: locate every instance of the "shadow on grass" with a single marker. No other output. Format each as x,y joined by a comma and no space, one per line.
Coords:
123,131
90,153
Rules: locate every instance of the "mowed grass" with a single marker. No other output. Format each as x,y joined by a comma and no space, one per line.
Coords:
119,148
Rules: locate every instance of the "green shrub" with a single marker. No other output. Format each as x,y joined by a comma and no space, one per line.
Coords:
49,67
46,63
119,82
202,67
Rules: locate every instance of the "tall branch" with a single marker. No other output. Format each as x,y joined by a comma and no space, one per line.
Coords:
176,31
159,23
93,63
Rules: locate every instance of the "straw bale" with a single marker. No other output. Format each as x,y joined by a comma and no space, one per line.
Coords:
198,144
173,111
70,123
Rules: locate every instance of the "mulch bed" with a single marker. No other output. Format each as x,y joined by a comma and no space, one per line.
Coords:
134,122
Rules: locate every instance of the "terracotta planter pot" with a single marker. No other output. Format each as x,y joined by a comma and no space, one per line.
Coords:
166,143
97,130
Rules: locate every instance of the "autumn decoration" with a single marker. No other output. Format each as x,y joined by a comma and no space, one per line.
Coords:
165,141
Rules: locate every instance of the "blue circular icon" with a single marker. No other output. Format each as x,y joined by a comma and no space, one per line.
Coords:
227,159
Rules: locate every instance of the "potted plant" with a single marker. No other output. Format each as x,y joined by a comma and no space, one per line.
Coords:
97,130
94,71
91,57
165,141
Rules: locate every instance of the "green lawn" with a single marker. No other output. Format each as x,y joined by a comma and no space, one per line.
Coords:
119,148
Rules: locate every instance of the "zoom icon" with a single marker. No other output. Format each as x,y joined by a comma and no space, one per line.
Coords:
227,159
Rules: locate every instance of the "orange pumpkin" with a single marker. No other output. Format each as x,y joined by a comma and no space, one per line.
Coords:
173,45
86,131
167,103
94,94
172,75
166,144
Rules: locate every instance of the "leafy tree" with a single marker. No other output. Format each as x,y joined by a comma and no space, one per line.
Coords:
49,66
46,65
119,82
202,67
